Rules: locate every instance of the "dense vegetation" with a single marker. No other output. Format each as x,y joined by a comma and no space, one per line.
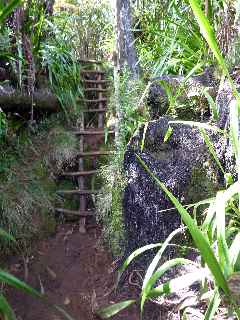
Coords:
41,45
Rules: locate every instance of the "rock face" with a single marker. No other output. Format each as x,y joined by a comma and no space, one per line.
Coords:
225,101
173,87
182,163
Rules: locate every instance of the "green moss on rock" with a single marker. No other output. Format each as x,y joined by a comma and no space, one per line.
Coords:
203,183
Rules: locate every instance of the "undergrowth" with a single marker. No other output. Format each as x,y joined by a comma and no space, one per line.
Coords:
109,201
30,165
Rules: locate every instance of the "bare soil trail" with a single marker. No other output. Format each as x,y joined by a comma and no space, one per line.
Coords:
75,271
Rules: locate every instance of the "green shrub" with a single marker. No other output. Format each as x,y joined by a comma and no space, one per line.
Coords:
30,168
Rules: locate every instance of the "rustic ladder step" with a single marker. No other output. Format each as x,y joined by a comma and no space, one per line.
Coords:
93,71
75,212
95,89
93,132
96,81
76,191
79,173
94,153
91,100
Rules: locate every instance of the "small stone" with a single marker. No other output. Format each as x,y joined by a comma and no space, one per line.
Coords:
67,301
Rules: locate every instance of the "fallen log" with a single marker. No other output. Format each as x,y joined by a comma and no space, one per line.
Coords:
12,100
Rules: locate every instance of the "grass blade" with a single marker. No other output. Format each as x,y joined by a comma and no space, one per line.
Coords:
207,32
177,284
212,105
223,252
211,149
234,127
134,255
155,262
198,237
234,253
159,272
105,313
5,309
14,282
213,306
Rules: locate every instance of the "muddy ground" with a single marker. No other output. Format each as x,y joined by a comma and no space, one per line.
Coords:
75,271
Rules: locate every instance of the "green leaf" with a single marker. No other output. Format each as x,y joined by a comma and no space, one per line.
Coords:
5,309
159,272
177,284
154,264
213,306
105,313
134,255
164,268
200,240
6,235
234,127
212,105
210,37
8,9
211,149
208,32
168,134
234,253
223,252
15,282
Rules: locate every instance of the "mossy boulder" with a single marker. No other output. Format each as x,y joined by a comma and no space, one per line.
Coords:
183,163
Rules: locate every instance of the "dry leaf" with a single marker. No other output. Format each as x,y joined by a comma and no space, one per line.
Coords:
67,301
51,273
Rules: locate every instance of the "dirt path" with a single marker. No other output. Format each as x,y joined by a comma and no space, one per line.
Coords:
75,271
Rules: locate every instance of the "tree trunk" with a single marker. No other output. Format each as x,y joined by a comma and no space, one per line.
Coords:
126,53
15,101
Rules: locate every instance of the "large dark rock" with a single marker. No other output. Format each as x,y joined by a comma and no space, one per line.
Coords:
183,91
225,101
183,164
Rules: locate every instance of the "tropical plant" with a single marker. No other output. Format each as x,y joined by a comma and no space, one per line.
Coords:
89,42
216,240
218,248
168,37
64,73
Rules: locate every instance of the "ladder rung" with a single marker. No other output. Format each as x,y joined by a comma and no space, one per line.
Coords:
96,81
93,71
79,173
95,89
95,110
92,100
76,191
75,212
94,153
93,132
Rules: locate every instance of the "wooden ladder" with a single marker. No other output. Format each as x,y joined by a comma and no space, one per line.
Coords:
95,101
